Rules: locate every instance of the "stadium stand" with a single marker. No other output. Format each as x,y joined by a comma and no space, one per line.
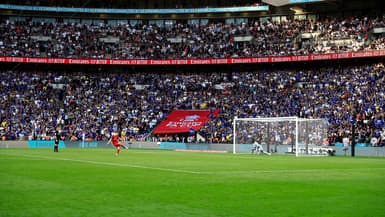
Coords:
213,40
36,102
136,102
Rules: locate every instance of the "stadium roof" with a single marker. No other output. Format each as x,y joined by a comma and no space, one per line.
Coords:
178,9
346,7
279,3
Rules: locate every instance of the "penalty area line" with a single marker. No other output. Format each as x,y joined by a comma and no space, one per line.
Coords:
300,170
107,163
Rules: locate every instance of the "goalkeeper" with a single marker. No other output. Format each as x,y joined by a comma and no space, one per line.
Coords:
258,149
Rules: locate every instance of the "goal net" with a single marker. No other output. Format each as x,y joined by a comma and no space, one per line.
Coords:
300,136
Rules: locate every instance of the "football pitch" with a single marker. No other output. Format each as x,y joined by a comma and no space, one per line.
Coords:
154,183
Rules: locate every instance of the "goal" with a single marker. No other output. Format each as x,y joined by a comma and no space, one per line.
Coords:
300,136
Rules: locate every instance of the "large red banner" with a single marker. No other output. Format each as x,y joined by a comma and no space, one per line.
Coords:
274,59
184,121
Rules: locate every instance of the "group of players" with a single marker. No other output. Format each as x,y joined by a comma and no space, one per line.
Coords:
116,140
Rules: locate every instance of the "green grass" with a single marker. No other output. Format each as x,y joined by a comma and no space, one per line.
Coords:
93,182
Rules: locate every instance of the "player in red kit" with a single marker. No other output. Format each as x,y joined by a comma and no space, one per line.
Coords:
115,140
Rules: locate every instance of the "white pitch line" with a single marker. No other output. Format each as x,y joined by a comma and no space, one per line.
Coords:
195,172
298,171
108,163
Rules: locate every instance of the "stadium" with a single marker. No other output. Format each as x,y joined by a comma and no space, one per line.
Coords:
192,108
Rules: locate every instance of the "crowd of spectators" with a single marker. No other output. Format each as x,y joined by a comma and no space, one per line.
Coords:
91,105
188,41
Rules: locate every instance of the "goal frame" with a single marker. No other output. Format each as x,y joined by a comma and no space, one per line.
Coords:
297,120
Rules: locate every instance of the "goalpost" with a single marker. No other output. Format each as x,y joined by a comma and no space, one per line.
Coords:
300,136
